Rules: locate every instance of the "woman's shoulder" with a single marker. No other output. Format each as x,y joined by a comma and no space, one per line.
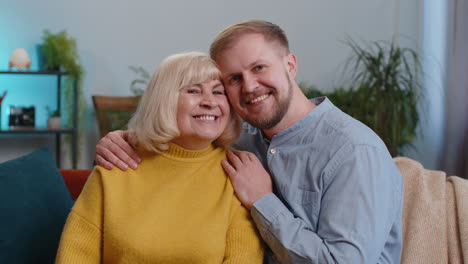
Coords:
114,176
101,171
222,150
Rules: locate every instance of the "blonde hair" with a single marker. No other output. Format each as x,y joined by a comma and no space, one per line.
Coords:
154,123
270,31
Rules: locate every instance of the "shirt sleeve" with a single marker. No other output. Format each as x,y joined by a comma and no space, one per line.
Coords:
243,244
360,200
82,235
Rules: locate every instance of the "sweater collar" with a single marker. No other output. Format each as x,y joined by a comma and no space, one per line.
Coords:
177,151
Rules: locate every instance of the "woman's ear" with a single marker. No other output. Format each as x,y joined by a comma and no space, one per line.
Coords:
291,65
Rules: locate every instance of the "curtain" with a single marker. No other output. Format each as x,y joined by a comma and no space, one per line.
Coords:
456,130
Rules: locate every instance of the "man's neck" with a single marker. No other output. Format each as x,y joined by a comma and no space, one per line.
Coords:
298,109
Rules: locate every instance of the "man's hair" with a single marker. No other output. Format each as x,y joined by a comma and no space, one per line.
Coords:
227,37
154,124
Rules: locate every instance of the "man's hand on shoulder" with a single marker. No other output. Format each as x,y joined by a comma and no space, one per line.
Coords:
250,180
114,150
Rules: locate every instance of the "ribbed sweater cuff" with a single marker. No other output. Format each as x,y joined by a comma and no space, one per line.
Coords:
80,242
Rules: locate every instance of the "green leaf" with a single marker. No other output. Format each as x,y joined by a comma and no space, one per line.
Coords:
385,88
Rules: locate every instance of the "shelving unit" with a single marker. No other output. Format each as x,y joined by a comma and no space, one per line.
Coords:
57,132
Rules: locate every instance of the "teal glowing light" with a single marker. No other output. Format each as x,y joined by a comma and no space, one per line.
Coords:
26,91
23,90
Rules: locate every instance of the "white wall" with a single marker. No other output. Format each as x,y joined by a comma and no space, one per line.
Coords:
113,34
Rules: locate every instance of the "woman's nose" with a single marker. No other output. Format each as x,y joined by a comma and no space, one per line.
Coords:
208,100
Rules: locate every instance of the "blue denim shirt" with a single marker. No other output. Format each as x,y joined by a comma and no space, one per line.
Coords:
337,192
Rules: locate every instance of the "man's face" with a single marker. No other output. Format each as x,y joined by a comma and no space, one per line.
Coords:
256,79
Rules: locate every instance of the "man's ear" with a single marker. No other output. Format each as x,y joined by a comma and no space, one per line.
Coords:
291,65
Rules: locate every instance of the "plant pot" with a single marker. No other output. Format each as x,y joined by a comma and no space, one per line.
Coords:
54,123
42,61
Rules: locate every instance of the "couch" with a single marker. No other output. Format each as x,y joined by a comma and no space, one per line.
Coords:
435,210
435,215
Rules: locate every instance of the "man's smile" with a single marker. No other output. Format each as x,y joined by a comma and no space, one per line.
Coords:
258,99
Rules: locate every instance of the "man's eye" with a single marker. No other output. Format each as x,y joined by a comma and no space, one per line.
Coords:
236,78
259,67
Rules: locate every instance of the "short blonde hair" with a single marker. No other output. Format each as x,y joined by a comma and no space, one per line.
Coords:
154,123
227,37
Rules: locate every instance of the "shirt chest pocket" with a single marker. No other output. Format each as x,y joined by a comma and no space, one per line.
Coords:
304,204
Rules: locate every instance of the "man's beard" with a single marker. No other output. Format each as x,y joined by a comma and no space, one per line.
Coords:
282,108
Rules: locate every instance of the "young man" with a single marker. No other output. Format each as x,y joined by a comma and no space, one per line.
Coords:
324,188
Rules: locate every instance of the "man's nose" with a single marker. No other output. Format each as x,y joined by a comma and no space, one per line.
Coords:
249,83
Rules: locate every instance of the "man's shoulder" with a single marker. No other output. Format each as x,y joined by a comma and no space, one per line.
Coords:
330,126
341,127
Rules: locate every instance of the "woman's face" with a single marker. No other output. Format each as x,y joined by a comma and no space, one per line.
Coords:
202,114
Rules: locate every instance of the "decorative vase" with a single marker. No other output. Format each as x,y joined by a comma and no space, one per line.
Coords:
54,123
20,59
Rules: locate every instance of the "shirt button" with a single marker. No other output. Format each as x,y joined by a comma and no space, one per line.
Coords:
273,151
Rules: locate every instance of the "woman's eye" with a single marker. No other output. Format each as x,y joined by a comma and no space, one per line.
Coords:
219,92
192,91
259,67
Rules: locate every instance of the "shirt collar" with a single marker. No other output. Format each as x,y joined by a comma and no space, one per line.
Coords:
322,103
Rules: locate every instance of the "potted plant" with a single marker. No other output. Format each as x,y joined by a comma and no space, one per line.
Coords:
61,54
54,121
114,112
384,91
138,85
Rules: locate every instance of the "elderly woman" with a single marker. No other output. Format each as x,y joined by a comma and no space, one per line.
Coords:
178,206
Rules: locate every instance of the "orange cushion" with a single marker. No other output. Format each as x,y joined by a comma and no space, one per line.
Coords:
75,180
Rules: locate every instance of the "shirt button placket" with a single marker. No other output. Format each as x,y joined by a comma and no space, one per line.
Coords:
271,156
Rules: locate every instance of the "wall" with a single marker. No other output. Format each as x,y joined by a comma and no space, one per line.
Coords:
112,35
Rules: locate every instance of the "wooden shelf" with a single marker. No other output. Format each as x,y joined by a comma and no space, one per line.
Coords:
35,72
34,130
57,133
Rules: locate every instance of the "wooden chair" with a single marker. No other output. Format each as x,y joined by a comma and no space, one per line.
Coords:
113,113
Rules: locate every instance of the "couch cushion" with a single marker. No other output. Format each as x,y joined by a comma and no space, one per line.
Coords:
33,209
75,180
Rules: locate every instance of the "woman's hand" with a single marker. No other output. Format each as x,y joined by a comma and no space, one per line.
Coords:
114,150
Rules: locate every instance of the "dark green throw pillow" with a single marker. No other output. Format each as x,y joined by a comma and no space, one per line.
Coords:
34,205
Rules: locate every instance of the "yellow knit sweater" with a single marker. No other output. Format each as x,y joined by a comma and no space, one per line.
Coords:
177,207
